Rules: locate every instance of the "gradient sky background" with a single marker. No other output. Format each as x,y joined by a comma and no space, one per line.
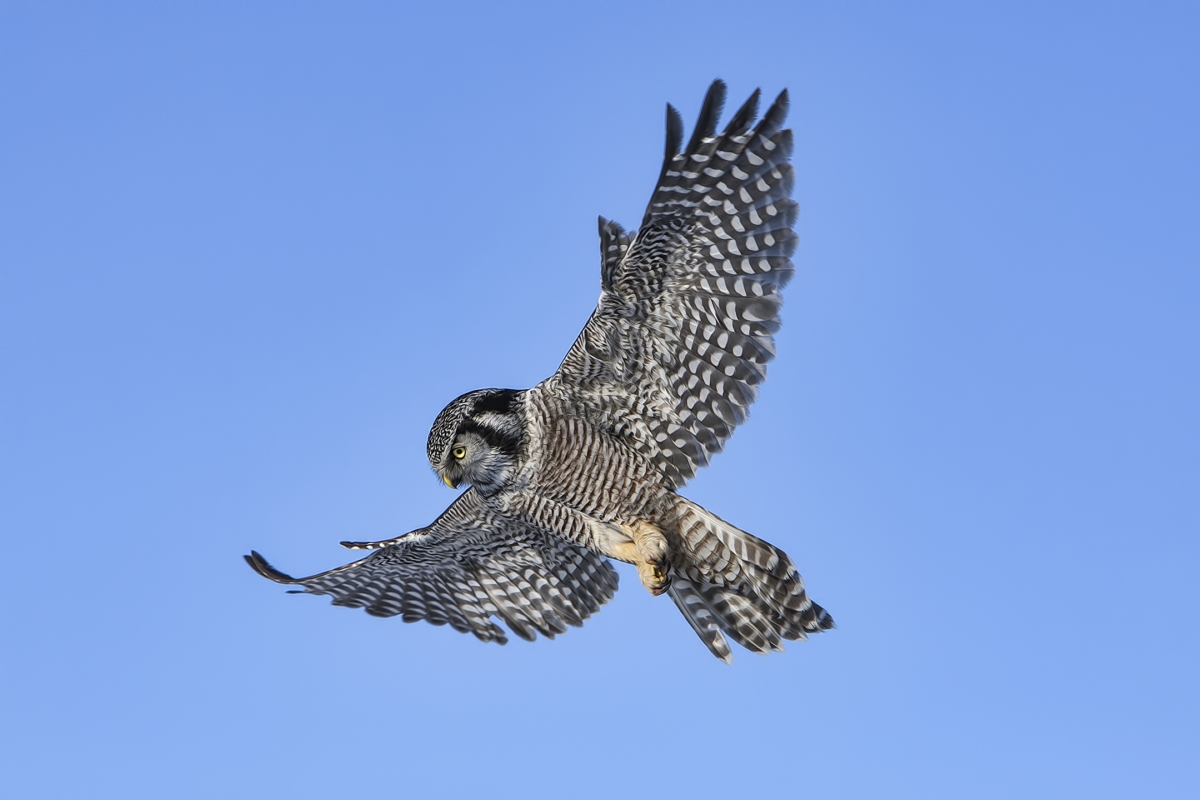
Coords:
248,252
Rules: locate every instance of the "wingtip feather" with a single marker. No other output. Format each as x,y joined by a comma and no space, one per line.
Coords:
710,114
674,132
262,567
745,115
775,115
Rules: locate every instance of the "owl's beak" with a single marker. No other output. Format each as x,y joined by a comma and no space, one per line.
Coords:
448,482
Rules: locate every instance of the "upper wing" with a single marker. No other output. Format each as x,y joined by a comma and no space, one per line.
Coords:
674,352
466,567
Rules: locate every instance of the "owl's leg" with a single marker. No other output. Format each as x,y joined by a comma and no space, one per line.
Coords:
650,546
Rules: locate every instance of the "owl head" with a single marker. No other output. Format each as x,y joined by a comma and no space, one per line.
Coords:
478,439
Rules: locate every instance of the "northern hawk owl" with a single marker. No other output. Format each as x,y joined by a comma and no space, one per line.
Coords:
585,466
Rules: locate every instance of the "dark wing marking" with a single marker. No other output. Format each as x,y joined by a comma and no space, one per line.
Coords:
468,566
674,352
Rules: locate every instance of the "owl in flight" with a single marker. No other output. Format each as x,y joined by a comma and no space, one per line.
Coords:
585,466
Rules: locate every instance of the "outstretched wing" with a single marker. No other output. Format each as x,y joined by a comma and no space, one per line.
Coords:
674,352
468,566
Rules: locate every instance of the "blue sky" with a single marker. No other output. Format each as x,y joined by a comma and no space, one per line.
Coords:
248,251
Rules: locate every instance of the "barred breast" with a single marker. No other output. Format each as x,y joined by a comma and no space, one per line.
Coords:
575,461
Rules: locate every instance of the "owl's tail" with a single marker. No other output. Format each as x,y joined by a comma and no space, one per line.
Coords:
726,581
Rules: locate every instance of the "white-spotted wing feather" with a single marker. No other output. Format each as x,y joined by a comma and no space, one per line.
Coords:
468,566
675,350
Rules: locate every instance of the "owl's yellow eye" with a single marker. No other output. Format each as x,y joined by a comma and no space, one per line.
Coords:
459,452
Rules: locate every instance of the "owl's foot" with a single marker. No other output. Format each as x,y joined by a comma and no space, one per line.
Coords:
648,539
653,577
651,548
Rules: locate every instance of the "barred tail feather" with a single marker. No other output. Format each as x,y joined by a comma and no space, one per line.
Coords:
728,581
717,611
700,616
